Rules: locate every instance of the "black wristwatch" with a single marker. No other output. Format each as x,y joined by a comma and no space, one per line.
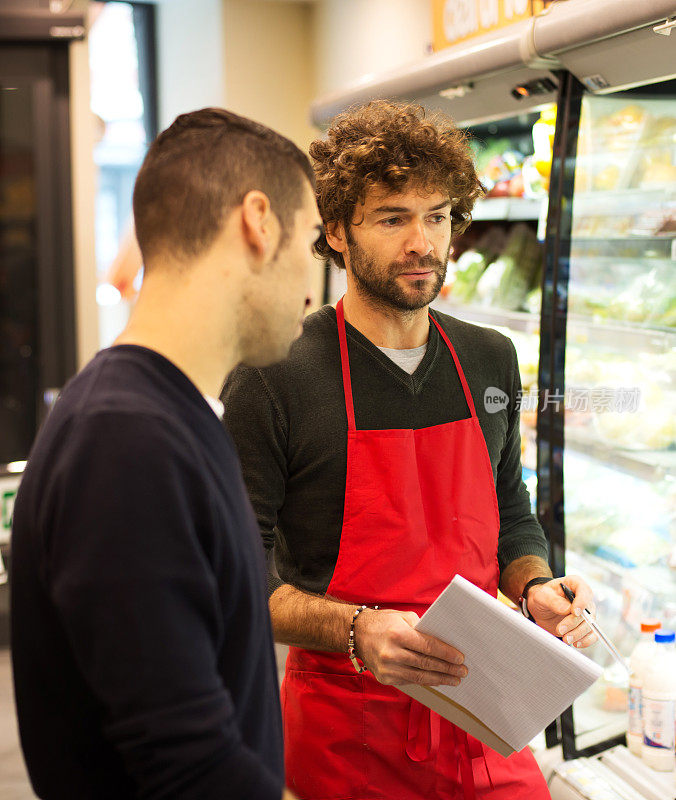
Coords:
524,595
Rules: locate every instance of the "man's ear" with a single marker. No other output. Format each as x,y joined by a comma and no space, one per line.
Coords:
260,226
335,236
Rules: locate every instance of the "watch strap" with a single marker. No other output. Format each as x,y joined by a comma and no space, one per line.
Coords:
523,600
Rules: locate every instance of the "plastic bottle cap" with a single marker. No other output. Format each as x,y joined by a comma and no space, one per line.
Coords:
650,625
664,636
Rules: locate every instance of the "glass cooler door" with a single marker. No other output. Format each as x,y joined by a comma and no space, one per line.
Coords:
619,401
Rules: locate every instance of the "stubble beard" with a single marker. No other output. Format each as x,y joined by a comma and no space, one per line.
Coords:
380,288
265,339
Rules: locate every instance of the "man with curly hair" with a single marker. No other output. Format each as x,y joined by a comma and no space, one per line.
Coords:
377,475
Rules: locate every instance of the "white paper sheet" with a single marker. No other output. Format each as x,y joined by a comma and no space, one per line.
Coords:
520,678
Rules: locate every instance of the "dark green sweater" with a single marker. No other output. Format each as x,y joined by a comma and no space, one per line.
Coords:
290,428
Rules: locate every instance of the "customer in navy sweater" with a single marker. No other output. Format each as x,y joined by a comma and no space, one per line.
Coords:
141,643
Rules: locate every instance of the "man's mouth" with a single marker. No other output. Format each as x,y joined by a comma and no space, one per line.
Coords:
418,273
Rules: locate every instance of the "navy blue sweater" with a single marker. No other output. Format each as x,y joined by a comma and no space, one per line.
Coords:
141,643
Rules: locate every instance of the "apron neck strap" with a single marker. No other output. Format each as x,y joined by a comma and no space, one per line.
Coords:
345,365
461,374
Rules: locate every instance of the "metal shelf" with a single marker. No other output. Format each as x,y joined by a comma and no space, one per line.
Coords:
629,237
581,330
508,208
606,259
616,249
630,336
622,201
514,320
639,262
647,465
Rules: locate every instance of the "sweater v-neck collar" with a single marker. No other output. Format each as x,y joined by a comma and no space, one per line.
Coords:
413,382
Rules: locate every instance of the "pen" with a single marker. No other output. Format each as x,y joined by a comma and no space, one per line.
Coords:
587,617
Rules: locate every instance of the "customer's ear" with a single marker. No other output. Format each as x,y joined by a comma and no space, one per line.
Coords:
260,226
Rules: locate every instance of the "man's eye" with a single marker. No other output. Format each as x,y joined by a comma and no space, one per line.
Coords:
390,222
439,218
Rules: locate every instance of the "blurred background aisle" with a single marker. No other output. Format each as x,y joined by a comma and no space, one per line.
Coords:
14,784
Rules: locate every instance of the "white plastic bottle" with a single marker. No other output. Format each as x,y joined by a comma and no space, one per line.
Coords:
638,661
659,705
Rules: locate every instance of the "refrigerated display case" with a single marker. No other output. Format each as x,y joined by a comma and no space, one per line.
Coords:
596,337
616,774
619,459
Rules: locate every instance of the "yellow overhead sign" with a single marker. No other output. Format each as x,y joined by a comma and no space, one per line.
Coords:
457,20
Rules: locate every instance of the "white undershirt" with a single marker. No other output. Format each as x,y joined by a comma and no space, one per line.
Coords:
216,406
408,360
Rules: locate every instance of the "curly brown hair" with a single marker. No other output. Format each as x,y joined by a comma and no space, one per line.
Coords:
397,145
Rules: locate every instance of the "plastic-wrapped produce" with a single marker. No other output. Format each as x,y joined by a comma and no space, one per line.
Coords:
471,265
517,281
468,269
507,281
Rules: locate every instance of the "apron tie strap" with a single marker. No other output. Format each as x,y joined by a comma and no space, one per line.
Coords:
422,744
488,774
464,760
424,727
478,750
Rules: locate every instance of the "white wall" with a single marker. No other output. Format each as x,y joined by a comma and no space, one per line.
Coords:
270,70
357,37
83,182
254,57
190,56
269,64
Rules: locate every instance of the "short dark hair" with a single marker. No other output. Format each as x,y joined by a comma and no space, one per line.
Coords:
200,168
397,145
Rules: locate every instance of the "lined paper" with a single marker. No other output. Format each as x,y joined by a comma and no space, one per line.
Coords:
520,678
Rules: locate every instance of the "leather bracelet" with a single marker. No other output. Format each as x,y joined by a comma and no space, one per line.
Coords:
350,642
523,605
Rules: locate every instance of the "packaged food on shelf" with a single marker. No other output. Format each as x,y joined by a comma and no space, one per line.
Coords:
636,291
527,347
463,274
611,690
659,705
649,297
507,280
521,167
630,402
496,163
534,183
629,147
656,167
543,144
635,532
639,660
533,302
520,276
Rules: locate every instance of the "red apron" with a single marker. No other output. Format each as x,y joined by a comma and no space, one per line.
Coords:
420,506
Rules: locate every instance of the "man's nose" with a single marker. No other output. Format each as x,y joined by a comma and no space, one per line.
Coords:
418,241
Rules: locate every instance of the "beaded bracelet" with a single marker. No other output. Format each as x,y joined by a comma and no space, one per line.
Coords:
350,642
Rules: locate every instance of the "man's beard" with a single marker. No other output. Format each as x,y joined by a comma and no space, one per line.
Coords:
381,287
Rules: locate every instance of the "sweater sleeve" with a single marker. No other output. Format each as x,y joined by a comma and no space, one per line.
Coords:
138,601
520,533
254,418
